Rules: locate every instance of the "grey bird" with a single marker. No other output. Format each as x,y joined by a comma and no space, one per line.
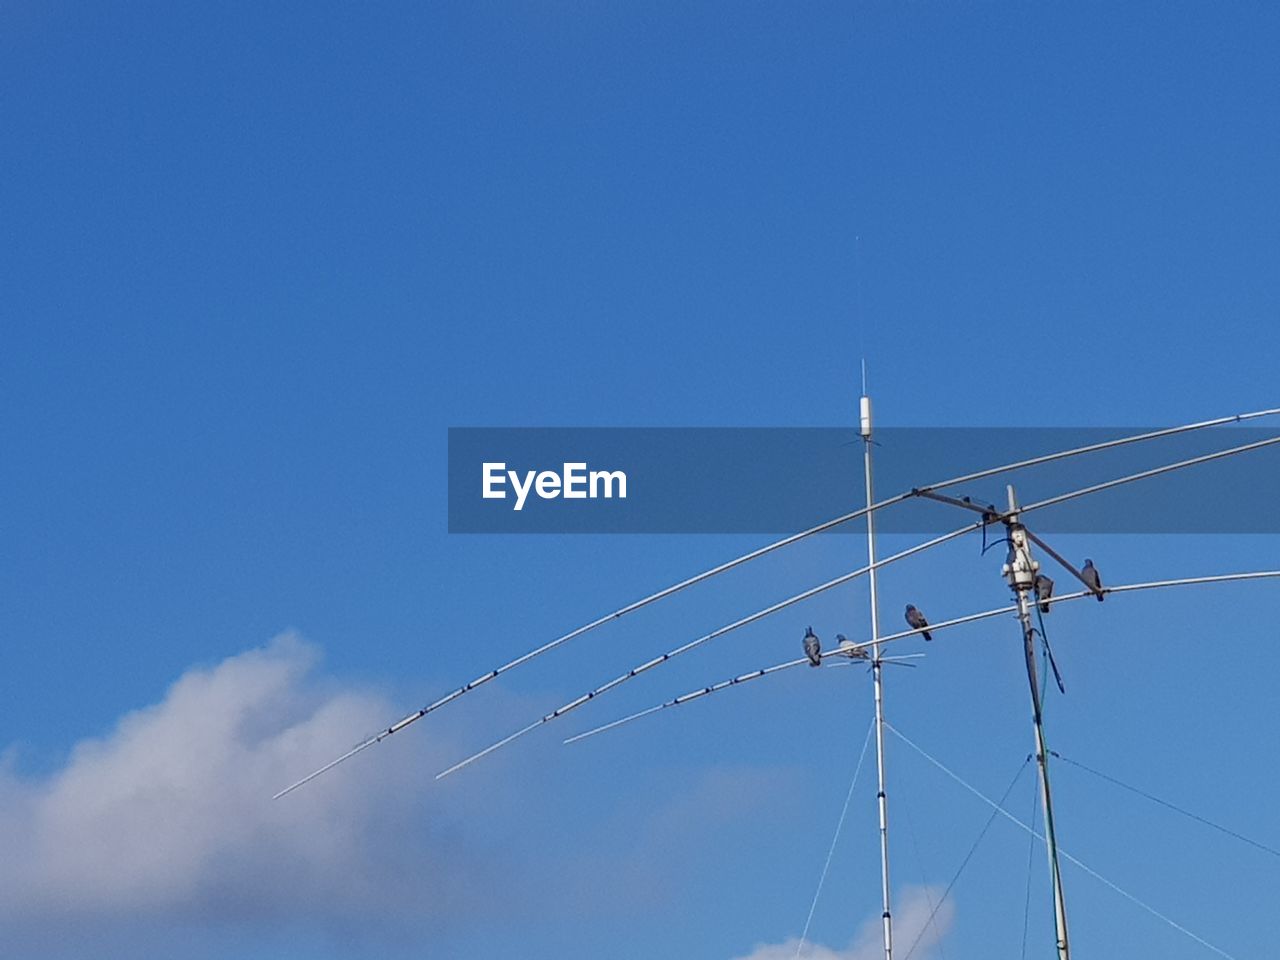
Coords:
916,620
812,647
1090,575
853,652
1044,590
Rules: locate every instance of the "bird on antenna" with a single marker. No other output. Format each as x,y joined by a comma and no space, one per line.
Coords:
1044,590
812,647
851,650
916,620
1089,574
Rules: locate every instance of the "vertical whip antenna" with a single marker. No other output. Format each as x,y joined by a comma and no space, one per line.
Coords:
877,670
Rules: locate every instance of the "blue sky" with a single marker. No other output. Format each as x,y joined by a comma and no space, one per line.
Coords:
257,261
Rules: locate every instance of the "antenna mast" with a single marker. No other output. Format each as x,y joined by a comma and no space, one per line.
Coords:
876,667
1020,569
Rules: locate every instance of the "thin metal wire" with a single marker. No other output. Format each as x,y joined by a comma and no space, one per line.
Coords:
822,879
967,857
1076,860
926,884
1171,806
762,551
1031,855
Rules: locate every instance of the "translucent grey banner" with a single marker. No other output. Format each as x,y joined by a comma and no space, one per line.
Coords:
780,480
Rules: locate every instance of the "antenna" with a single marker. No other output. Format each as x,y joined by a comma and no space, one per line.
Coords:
1020,569
785,541
988,517
750,618
882,799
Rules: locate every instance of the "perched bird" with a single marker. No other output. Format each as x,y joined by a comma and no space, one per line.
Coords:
853,652
812,647
916,619
1090,574
1044,590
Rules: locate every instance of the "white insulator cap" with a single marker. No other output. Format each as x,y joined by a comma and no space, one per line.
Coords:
864,416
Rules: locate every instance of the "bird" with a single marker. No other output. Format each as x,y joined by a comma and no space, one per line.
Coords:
916,619
1044,590
1089,574
812,647
853,652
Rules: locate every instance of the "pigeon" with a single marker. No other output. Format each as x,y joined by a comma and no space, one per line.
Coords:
916,619
854,652
1044,590
812,647
1089,573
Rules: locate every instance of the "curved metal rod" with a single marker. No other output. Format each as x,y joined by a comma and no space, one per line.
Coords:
845,651
760,552
844,578
1148,474
706,638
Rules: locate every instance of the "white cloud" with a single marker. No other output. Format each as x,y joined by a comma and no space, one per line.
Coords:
169,817
910,918
160,836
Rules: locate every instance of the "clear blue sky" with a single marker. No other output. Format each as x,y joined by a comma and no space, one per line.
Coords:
256,262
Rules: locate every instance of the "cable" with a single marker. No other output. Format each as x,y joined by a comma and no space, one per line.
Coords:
1031,853
967,857
835,839
1171,806
925,885
1078,862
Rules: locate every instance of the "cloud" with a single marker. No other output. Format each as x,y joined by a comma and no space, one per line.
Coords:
168,818
910,916
160,837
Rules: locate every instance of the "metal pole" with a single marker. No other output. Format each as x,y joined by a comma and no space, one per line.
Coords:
1021,572
876,671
